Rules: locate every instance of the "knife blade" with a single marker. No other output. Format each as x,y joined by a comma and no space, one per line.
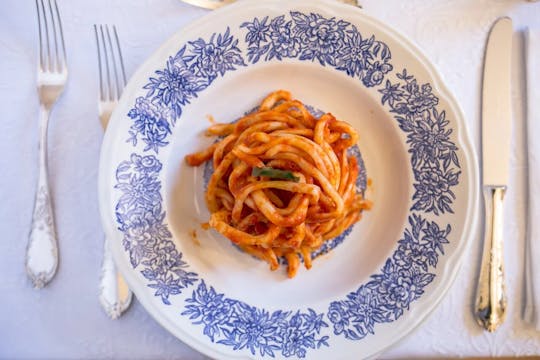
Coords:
496,106
216,4
209,4
496,127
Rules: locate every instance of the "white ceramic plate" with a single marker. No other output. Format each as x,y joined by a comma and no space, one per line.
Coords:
387,273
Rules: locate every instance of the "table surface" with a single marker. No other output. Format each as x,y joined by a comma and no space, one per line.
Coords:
65,320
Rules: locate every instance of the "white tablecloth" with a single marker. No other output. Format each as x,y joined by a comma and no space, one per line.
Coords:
65,320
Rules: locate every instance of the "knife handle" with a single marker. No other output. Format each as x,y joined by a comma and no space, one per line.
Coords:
490,308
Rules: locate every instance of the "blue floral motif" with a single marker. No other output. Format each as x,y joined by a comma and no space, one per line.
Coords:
241,326
283,44
146,237
321,37
194,67
152,122
258,31
175,85
215,57
355,317
313,37
401,281
433,155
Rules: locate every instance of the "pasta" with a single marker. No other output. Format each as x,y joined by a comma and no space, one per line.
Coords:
283,183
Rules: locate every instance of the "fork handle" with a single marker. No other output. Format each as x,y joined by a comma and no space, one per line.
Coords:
114,293
42,249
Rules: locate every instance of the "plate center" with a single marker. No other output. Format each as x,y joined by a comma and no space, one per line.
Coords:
371,241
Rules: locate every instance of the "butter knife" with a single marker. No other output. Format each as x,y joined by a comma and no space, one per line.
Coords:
491,299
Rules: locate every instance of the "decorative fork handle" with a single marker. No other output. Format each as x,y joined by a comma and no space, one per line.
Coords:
491,297
114,293
42,250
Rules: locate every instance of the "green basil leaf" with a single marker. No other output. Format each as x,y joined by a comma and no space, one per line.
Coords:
274,173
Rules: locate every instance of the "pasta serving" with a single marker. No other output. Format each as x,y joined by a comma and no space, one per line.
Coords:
283,183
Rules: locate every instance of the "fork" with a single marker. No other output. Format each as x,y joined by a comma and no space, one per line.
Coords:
42,249
114,295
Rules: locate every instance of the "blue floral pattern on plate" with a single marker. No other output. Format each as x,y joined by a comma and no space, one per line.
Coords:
146,238
389,293
434,159
194,67
312,37
402,280
241,326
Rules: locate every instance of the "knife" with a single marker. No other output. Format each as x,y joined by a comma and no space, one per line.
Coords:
215,4
209,4
490,307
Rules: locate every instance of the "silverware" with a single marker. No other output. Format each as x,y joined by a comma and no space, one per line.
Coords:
214,4
209,4
114,293
496,116
42,249
352,2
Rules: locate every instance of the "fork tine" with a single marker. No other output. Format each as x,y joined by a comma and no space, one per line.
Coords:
121,60
116,86
100,66
61,31
47,59
106,61
56,61
40,36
